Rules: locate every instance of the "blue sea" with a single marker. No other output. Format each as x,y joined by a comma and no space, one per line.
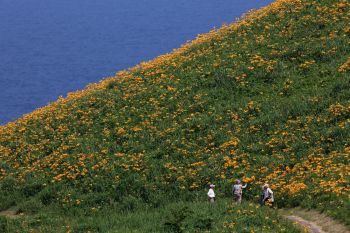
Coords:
51,47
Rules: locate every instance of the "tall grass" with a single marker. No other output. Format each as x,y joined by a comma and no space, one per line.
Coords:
222,216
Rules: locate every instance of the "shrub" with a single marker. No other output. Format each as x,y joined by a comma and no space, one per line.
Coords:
202,222
175,221
94,199
6,201
8,184
31,189
3,224
129,203
85,227
47,196
32,205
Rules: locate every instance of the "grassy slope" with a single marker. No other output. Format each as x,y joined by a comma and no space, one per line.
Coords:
222,216
265,100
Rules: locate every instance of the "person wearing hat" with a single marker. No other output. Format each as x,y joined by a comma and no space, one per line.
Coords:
211,193
267,195
237,191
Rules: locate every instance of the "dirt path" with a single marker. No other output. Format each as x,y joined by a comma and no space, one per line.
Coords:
11,213
314,222
309,226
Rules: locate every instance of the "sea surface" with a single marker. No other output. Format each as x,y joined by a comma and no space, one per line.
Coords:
51,47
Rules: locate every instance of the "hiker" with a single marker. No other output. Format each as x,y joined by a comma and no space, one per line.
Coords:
267,195
237,191
211,194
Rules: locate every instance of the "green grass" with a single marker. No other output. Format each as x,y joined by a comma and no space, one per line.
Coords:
222,216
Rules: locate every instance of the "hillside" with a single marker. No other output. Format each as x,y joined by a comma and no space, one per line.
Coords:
266,99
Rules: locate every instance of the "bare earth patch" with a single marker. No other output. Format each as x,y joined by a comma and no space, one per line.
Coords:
12,212
314,222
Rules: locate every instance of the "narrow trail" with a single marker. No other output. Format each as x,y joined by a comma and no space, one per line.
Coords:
11,213
314,222
309,226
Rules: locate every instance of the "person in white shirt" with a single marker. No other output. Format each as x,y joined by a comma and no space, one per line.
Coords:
237,191
267,195
211,193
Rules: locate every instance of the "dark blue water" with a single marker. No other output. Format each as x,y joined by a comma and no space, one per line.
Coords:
51,47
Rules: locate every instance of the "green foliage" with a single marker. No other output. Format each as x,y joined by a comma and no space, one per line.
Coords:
221,216
3,224
86,227
202,222
8,184
129,203
48,196
175,221
31,189
6,201
31,206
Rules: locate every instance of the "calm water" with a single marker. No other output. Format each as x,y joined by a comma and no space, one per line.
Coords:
51,47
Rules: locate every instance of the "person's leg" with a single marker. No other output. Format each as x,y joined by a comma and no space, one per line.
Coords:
237,198
261,200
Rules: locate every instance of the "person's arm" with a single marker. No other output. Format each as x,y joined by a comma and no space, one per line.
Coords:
270,192
243,187
266,198
269,196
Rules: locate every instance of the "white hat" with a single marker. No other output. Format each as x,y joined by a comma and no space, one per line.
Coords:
212,186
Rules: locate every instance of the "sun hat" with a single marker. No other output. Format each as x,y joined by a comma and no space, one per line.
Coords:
212,186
